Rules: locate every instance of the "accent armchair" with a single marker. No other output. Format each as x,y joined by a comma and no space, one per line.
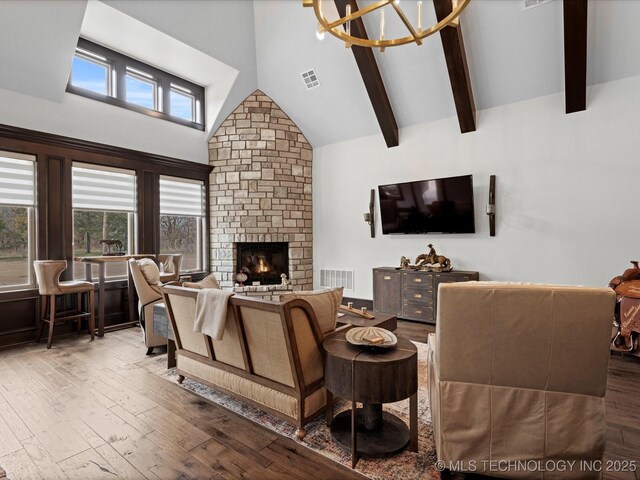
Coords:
146,278
519,373
170,266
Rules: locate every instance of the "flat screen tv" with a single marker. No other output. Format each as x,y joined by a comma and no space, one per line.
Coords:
441,205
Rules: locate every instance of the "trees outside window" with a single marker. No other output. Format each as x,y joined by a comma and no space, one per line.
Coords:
14,246
17,226
182,220
104,206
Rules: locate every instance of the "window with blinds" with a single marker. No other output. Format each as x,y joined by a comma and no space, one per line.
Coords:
102,188
17,220
104,206
181,197
182,220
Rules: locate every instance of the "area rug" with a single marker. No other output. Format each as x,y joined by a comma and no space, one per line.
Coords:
406,465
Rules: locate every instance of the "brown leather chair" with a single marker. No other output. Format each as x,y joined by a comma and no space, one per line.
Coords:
49,286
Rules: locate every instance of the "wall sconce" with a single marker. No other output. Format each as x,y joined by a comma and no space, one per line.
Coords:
491,206
368,217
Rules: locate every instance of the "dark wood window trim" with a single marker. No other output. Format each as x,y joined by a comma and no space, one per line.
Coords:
55,155
119,63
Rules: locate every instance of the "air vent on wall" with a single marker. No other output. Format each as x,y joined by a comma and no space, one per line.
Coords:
310,79
534,3
332,278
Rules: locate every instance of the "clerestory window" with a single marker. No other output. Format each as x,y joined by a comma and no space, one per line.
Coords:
105,75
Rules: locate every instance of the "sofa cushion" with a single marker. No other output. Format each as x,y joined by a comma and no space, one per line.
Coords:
325,304
150,271
207,282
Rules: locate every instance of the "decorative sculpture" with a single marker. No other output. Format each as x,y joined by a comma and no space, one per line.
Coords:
428,262
112,243
285,280
405,263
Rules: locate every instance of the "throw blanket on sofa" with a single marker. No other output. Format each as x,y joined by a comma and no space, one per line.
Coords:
211,312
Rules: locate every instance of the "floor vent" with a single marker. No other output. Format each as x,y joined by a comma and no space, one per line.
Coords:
332,278
310,78
534,3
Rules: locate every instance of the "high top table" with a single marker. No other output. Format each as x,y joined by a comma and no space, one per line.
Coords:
101,262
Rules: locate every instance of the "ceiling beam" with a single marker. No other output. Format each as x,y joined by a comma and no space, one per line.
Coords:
575,55
371,76
453,46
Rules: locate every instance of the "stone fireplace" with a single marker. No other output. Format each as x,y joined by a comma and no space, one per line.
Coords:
260,192
263,262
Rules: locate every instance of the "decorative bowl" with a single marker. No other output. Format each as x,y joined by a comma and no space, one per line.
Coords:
364,335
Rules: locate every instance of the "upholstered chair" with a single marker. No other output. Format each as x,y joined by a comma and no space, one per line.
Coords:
49,286
146,278
170,265
518,373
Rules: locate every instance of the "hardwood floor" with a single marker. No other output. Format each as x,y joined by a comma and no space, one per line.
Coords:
86,410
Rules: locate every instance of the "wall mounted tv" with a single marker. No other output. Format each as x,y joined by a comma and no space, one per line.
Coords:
442,205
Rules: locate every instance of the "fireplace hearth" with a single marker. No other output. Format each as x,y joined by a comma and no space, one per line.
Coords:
263,262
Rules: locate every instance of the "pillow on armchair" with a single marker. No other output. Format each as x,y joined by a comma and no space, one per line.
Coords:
150,271
325,304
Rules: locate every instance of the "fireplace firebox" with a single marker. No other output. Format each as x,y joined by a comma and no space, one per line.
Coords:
263,262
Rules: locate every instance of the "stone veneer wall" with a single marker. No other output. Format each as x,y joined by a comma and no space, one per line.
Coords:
260,188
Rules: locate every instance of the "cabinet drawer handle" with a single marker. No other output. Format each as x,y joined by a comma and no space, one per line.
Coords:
417,280
417,295
418,312
387,277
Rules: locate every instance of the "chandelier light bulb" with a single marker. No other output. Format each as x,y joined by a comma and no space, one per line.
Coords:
416,28
320,33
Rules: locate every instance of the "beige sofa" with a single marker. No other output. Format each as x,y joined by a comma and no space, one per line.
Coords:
518,373
270,354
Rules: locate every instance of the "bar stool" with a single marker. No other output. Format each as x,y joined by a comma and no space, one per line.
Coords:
49,286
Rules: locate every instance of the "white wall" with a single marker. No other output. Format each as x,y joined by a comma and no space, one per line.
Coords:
568,187
87,119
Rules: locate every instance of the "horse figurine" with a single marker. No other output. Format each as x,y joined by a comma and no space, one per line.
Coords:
405,263
112,243
433,262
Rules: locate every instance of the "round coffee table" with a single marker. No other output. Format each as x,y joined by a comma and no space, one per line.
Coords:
372,376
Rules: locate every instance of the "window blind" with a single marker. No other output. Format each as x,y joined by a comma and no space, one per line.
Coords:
17,179
102,188
179,196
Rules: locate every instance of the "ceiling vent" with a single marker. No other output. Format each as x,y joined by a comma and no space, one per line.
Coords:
310,79
534,3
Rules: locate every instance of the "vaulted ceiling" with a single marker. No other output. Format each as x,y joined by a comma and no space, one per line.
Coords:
513,54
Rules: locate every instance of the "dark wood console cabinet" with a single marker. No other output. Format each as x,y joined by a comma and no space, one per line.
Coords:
409,294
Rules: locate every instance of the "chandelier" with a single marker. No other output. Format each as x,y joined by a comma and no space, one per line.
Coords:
341,28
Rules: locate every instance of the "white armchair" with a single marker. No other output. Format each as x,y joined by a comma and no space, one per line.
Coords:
518,373
170,266
146,278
